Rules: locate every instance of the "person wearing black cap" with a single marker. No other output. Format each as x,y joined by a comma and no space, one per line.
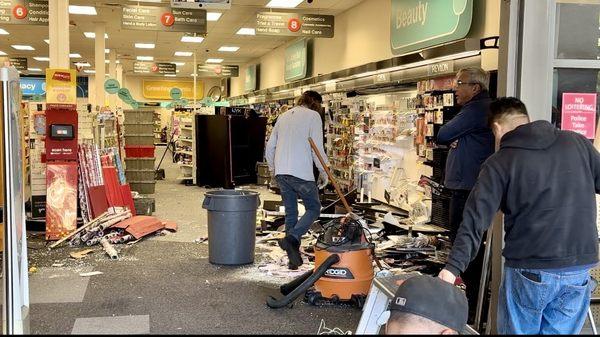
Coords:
427,305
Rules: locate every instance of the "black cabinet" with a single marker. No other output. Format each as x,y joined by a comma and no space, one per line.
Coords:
227,149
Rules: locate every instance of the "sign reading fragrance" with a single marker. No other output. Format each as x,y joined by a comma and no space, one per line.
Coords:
19,62
164,19
579,113
294,24
154,68
161,89
217,70
297,61
251,81
24,12
418,24
61,86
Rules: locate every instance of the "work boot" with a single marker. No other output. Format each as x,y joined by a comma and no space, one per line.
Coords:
292,248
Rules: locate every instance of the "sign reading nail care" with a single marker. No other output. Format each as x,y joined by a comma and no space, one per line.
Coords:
579,113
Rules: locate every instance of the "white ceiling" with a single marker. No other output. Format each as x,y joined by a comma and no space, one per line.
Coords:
220,33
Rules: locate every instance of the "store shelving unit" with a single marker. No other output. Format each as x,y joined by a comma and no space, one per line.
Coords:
157,128
186,149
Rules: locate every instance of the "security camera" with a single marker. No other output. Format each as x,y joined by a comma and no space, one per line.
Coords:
309,1
207,50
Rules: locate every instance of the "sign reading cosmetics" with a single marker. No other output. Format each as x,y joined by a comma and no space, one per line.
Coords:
579,113
294,24
217,70
154,68
164,19
24,12
418,24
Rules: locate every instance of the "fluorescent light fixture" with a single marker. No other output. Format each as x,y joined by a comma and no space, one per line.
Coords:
170,75
89,71
145,45
179,64
246,31
108,61
145,58
92,35
42,58
83,64
194,75
284,3
214,61
22,47
177,70
213,16
184,53
193,39
3,32
34,69
75,56
155,1
47,41
2,53
229,48
106,51
82,10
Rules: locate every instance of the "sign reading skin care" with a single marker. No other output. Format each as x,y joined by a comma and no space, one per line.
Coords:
161,89
31,86
250,83
296,61
217,70
112,86
164,19
294,24
61,86
418,24
24,12
579,113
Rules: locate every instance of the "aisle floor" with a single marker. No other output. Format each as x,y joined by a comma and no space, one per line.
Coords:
164,284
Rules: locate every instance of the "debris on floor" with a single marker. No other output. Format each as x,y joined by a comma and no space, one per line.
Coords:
323,330
81,254
92,273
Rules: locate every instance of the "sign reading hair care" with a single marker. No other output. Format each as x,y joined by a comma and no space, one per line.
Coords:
217,70
31,86
418,24
161,89
297,61
24,12
251,81
61,86
164,19
294,24
579,113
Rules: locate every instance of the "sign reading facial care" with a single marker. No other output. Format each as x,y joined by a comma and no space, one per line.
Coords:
296,61
164,19
161,89
418,24
61,86
294,24
24,12
579,113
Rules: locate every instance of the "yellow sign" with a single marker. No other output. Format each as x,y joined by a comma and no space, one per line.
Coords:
61,86
161,89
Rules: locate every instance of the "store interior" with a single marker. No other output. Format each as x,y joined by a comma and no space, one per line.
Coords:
117,178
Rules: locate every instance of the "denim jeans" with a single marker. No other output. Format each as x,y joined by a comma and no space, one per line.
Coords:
543,302
292,189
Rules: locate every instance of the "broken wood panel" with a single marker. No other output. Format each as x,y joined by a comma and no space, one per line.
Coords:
145,227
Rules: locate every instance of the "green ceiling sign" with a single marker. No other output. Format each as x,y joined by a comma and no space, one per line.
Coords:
418,24
297,61
111,86
251,81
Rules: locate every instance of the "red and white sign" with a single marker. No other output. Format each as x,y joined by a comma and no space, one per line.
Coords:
167,19
20,12
579,113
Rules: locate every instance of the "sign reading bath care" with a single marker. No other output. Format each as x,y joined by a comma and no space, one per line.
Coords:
24,12
61,86
161,89
164,19
296,61
579,113
418,24
294,24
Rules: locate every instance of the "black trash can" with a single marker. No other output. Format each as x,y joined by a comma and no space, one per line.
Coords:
231,226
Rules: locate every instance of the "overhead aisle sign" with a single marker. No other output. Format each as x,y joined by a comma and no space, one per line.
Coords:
165,19
579,113
217,70
205,4
294,24
154,68
24,12
418,24
19,62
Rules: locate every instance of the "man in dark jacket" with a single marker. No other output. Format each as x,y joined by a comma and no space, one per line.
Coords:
472,142
544,180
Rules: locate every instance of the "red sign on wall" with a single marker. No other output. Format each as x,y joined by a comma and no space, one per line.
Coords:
579,113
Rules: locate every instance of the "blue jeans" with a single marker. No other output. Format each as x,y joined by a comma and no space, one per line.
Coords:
292,189
543,303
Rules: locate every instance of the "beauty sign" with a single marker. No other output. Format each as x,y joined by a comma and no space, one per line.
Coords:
579,113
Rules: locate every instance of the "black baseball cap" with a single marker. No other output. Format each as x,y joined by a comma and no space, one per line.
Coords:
434,299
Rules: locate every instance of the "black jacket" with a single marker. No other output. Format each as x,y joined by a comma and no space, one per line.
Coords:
544,180
475,143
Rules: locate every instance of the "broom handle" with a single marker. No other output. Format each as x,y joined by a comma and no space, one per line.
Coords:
331,178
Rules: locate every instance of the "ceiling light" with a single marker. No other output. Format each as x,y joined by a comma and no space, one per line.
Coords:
3,32
246,31
47,41
2,53
82,10
214,61
194,39
34,69
92,35
145,45
83,64
75,56
42,58
177,70
284,3
194,75
157,1
184,53
213,16
229,48
170,75
106,51
89,71
145,58
178,63
22,47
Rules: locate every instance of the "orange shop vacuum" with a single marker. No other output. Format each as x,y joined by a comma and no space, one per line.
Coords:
343,269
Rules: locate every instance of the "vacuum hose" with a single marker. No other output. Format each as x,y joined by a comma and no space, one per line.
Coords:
289,287
273,303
